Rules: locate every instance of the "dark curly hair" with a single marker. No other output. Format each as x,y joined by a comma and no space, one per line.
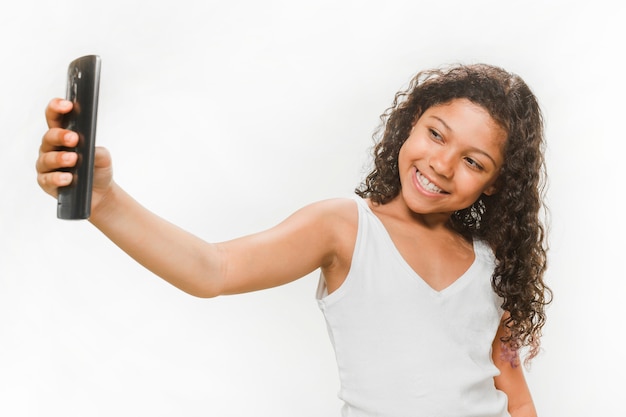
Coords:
509,220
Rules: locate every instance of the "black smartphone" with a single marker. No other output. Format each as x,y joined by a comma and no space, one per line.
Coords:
83,83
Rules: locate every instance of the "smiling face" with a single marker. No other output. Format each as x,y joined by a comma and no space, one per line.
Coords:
453,154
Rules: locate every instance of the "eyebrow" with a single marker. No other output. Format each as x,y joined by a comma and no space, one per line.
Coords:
442,122
480,151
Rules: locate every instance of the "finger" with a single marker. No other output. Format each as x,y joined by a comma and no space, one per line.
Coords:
56,138
55,111
51,181
55,160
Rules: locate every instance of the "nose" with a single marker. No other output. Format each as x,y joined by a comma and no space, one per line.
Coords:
442,163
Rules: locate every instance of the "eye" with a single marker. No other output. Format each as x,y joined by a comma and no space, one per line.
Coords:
435,135
474,164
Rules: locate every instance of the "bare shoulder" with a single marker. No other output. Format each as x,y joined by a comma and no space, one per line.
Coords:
334,219
329,225
336,212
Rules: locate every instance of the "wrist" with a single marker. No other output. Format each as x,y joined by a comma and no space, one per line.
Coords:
103,207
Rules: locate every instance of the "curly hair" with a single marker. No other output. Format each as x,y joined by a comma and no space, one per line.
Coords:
509,220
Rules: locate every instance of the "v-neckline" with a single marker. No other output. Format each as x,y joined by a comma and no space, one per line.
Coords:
456,284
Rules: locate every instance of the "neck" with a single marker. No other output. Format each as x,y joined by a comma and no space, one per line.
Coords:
431,221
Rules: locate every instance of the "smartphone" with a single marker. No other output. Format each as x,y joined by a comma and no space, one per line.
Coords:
83,84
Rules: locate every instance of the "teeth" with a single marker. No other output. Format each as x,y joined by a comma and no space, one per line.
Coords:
427,184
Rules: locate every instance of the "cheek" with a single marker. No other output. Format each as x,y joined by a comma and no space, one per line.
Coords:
403,155
411,148
475,186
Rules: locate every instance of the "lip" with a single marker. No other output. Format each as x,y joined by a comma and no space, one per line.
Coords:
415,172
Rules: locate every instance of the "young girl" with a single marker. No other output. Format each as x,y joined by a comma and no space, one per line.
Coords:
431,279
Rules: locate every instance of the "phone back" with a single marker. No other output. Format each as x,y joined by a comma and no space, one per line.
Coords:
83,81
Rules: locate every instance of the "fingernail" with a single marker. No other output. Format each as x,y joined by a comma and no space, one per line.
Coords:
66,178
68,157
69,137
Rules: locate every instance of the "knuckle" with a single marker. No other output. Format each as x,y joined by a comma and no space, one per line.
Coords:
39,164
42,180
58,159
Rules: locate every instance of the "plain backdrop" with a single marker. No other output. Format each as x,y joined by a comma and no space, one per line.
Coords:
225,117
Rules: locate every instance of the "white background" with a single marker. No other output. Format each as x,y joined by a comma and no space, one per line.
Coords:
225,117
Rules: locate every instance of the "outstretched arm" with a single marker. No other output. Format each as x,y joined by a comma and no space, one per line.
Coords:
288,251
511,379
305,241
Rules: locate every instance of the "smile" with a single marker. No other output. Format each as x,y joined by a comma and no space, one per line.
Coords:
427,185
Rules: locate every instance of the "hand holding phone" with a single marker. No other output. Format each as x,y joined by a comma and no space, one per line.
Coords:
83,82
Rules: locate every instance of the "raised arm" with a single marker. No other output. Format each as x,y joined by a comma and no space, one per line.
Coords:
309,239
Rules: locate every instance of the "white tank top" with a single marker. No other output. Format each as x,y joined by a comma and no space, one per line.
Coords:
404,349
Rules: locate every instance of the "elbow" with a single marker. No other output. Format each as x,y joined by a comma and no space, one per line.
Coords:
207,286
204,277
200,291
209,275
199,286
204,292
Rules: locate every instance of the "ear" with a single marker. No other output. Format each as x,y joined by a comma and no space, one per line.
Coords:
495,186
491,190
